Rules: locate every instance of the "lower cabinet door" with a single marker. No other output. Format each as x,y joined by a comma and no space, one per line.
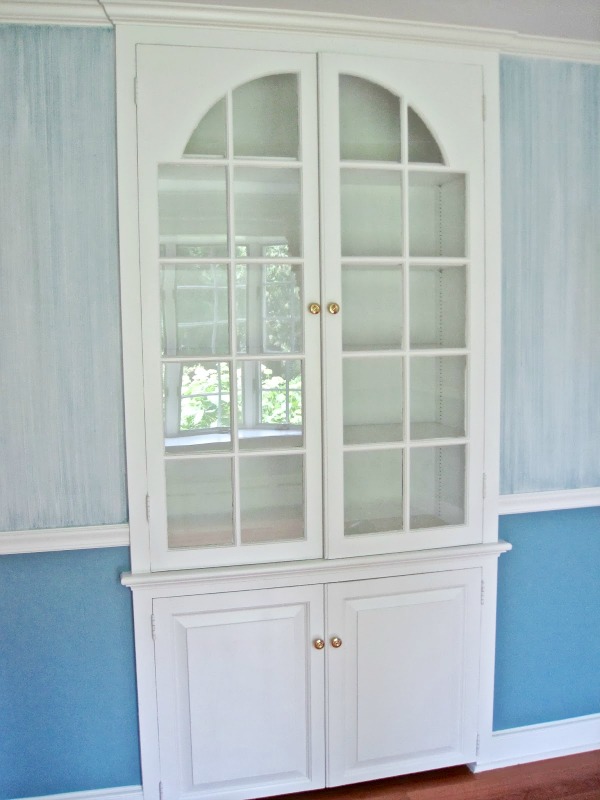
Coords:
403,683
240,692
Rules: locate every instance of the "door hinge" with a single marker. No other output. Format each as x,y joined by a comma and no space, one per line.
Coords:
153,626
147,508
135,90
482,593
484,486
483,107
477,745
160,790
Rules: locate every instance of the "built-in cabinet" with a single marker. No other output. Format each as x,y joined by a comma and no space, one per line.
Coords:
241,678
304,291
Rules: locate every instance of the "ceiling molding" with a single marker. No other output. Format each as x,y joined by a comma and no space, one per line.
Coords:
65,12
191,13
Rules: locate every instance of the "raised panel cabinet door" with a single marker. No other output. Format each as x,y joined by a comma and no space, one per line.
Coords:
403,681
402,193
229,265
240,689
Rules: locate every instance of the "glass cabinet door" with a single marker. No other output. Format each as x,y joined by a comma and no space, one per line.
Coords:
403,261
229,259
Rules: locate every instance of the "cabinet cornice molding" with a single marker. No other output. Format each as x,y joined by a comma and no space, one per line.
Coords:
179,12
188,12
209,580
67,12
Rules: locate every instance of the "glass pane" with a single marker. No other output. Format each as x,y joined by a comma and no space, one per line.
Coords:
196,406
270,404
269,308
437,397
272,498
371,209
210,136
372,308
372,492
436,213
437,486
267,210
373,404
194,309
265,118
421,144
369,121
199,502
192,207
438,307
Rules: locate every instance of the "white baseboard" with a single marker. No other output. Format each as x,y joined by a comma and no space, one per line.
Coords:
538,742
116,793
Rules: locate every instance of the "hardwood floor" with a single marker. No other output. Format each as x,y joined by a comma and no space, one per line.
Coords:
574,777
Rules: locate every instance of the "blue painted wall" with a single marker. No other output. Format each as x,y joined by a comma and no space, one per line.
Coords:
551,275
548,646
61,428
68,714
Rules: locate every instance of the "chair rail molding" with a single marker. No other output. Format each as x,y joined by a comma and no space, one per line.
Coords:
562,500
53,539
189,12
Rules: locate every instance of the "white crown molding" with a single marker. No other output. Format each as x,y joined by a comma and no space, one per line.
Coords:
117,793
53,539
532,502
65,12
190,12
538,742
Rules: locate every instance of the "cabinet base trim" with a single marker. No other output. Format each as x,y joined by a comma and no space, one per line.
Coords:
538,742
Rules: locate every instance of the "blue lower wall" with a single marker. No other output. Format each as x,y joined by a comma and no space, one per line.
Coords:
548,640
68,714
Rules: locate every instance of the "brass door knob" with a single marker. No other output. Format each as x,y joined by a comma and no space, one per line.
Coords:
333,308
318,644
314,308
336,642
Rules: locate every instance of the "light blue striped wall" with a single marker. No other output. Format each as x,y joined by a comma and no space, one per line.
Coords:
61,429
551,275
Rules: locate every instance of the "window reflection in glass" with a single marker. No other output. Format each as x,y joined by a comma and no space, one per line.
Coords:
197,405
271,416
194,309
268,308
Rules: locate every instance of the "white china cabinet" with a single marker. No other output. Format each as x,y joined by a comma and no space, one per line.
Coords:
303,236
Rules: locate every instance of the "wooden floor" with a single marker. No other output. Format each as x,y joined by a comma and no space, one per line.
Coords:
574,777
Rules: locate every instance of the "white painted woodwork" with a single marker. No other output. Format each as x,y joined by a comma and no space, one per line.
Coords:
168,89
181,595
217,626
448,97
403,685
50,539
436,474
240,692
